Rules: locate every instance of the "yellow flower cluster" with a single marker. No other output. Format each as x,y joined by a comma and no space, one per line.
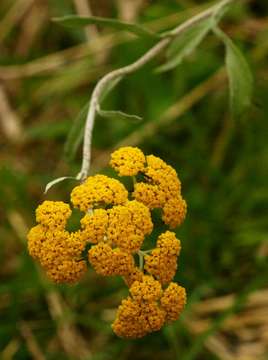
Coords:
162,262
148,289
94,226
108,261
173,301
128,161
58,251
98,190
174,211
128,225
112,232
162,190
135,320
53,214
135,274
148,308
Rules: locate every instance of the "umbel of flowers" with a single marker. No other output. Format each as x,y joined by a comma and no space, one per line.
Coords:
112,235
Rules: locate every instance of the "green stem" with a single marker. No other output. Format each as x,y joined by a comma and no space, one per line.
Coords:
141,260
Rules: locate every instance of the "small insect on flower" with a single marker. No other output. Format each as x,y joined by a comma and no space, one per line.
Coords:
112,234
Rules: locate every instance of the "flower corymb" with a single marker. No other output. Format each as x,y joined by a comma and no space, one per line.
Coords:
115,225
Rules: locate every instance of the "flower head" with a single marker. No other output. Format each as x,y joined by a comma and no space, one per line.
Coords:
128,161
129,322
59,253
53,214
107,261
36,237
161,189
98,190
149,194
137,316
94,226
162,262
163,175
174,211
147,290
100,257
135,320
173,301
128,225
155,316
67,271
135,274
168,244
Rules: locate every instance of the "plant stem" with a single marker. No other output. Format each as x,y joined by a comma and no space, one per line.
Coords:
141,260
121,72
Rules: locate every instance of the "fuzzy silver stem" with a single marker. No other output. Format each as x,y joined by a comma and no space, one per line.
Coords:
126,70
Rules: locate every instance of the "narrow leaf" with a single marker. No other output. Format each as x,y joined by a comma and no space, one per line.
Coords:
56,181
240,76
185,44
119,115
75,136
81,21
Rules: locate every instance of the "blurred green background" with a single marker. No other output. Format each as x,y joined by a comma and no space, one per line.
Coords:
47,73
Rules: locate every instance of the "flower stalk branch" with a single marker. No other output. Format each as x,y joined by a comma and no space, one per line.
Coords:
103,84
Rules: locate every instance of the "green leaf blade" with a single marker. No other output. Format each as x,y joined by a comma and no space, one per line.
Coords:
82,21
57,181
241,80
240,77
185,44
118,115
